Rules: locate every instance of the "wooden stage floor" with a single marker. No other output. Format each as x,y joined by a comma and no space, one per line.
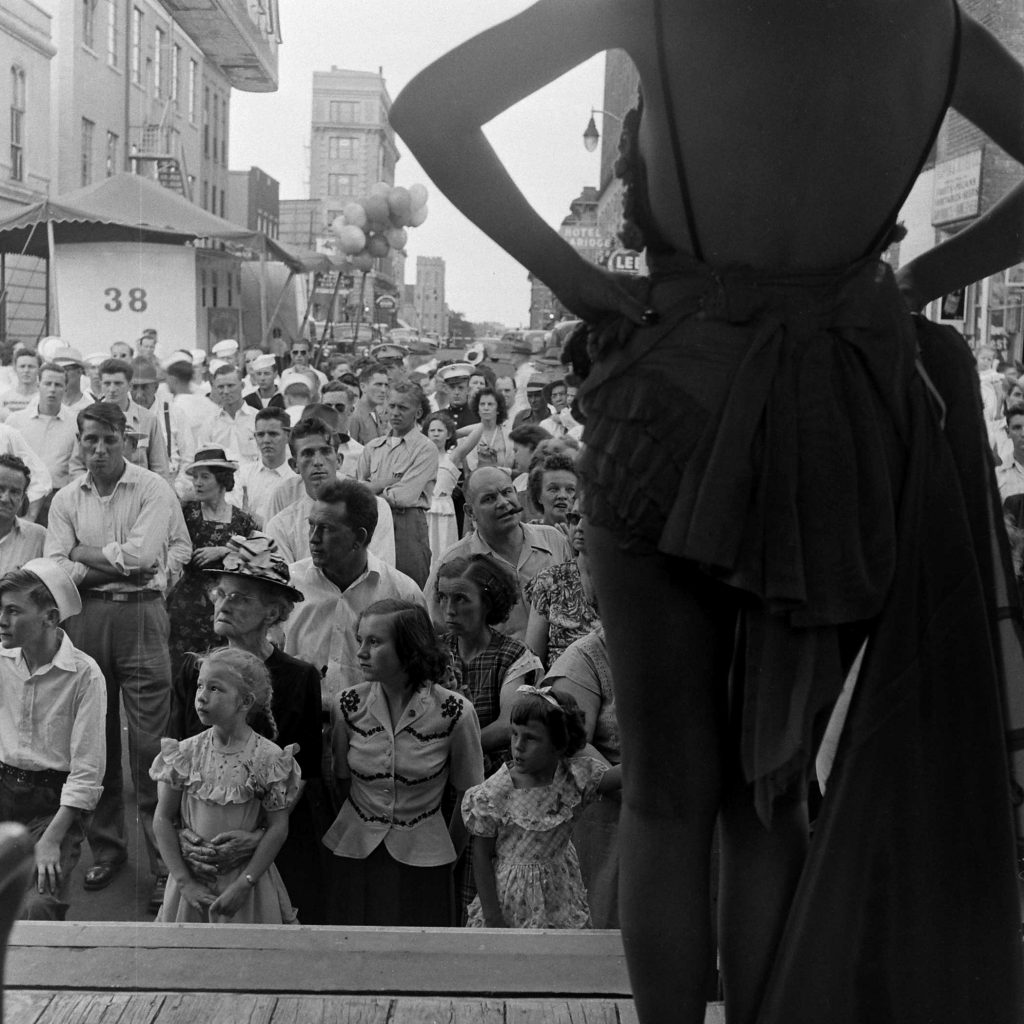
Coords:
134,973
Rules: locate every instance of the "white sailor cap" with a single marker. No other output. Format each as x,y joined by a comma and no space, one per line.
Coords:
225,349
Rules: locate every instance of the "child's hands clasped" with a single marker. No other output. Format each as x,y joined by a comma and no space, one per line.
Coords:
196,895
230,901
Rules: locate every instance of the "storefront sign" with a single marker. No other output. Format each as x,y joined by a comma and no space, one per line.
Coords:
957,188
625,261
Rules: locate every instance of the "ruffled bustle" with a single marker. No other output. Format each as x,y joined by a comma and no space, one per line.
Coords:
759,431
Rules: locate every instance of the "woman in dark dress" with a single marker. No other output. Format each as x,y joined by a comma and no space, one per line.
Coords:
211,521
250,594
774,456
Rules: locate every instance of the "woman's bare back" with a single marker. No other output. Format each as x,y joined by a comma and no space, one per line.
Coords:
801,124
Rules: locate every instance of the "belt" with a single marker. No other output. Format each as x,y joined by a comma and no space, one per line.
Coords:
407,510
124,596
43,777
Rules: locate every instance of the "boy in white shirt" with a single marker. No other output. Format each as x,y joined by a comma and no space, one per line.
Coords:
53,703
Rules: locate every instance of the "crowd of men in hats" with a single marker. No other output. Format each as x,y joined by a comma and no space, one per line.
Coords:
116,469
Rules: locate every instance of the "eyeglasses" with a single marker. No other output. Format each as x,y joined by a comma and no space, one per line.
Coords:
217,594
340,406
573,518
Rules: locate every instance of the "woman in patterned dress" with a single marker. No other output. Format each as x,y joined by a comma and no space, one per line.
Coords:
211,523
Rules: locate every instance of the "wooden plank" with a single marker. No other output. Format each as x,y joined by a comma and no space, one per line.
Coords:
21,1007
448,1011
715,1013
215,1008
281,959
559,1011
331,1010
102,1008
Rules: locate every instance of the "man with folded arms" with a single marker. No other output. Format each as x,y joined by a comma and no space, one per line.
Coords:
119,533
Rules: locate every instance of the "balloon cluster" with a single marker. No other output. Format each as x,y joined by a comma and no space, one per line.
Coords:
371,227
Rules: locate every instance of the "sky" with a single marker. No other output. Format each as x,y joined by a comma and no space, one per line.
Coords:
540,139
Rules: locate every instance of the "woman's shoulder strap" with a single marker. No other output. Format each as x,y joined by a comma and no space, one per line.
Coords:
673,129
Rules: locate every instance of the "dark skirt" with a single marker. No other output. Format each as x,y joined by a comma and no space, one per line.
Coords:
759,430
379,890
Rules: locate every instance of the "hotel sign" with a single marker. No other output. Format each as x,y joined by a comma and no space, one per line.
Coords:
957,189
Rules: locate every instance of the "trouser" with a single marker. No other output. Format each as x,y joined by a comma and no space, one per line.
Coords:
33,804
412,543
129,642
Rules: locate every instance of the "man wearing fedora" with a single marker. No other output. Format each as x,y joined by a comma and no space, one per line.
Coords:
70,360
538,409
119,533
177,434
52,754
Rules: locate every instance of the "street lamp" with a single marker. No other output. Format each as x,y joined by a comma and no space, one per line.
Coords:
591,136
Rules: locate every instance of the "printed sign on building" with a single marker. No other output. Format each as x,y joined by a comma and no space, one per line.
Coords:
112,291
957,188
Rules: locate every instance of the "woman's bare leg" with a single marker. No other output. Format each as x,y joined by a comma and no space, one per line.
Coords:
670,633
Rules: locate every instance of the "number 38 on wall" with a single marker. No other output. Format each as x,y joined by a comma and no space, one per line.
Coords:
136,301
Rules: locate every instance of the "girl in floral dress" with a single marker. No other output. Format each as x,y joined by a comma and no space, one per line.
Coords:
526,868
228,777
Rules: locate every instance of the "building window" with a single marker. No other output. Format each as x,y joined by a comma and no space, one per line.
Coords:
88,130
17,124
206,194
193,83
175,72
89,23
158,63
216,134
111,154
223,207
340,148
136,46
224,135
113,33
341,184
206,123
343,111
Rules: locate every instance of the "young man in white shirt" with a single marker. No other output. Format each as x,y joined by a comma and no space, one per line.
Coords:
256,482
52,749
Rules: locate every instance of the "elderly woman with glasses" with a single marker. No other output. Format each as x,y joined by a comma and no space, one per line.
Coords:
211,521
251,593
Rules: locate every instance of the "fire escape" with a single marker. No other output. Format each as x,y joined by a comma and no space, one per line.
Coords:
160,155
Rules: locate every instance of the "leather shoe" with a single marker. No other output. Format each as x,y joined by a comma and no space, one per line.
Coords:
99,876
156,897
